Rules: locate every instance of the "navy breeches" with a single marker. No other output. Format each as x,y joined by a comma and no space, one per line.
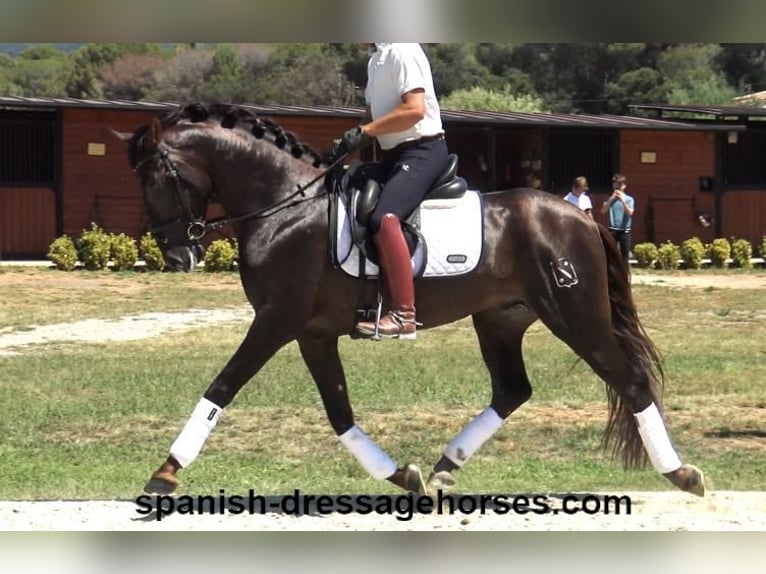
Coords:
406,175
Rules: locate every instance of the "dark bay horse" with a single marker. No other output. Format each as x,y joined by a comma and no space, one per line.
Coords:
542,259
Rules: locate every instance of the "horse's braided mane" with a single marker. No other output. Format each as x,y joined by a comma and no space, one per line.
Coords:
231,116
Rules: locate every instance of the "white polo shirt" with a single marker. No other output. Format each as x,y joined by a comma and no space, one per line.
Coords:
582,201
392,71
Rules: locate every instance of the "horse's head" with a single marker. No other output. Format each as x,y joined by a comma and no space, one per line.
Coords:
183,159
176,189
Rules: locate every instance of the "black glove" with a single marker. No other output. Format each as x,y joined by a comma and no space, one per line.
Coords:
353,140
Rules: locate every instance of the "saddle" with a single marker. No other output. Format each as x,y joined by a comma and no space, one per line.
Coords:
444,233
361,194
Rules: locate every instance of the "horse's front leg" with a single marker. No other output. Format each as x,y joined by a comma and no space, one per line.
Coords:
267,334
322,359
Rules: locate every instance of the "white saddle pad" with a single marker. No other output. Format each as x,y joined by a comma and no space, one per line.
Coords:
452,229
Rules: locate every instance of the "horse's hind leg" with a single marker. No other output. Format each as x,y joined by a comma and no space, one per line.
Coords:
322,359
636,426
606,332
500,333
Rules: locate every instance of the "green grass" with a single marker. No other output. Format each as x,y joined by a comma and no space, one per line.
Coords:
43,296
85,421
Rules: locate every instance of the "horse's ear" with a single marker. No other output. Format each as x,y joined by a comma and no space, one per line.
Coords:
122,136
155,130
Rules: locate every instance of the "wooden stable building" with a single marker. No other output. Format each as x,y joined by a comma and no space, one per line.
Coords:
61,168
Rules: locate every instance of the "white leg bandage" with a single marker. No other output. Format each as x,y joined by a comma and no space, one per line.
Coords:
372,458
473,435
194,434
652,429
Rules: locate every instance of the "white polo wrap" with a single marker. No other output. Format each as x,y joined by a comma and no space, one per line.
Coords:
473,435
652,429
372,458
195,432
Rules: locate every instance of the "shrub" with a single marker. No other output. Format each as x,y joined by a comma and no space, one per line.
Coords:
151,253
124,252
762,249
719,251
692,252
63,253
645,254
94,247
220,256
668,256
741,252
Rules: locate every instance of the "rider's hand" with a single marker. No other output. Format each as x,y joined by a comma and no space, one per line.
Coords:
354,139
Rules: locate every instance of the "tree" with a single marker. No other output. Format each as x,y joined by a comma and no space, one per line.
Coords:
354,58
84,80
692,75
643,85
130,77
498,59
41,52
304,75
179,78
482,99
454,67
33,78
745,66
224,80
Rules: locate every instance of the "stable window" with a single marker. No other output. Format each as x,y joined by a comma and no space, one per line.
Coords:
572,153
27,142
744,158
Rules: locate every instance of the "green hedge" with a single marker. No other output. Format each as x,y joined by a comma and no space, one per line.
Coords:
646,255
691,254
669,256
94,249
151,253
63,253
221,255
719,252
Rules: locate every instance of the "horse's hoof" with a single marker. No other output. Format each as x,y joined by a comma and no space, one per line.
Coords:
413,479
688,478
441,481
161,484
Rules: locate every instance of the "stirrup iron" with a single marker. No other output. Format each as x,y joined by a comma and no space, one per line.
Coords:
378,314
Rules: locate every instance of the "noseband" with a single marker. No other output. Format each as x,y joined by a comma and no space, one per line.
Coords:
197,228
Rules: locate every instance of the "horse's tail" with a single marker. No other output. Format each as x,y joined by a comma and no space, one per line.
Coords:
621,434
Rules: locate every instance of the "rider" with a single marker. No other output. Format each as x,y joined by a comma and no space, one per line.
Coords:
406,121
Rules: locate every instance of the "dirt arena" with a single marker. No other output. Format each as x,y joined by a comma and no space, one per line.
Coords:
650,511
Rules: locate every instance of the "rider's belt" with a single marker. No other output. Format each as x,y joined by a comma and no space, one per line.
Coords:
413,143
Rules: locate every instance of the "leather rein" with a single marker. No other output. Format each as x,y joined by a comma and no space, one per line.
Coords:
196,227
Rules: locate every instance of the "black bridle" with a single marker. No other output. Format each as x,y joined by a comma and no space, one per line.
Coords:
197,228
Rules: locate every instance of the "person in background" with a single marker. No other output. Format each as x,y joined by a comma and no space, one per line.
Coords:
579,195
619,208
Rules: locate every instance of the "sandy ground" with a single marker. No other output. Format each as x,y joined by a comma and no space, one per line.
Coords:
703,281
650,511
129,328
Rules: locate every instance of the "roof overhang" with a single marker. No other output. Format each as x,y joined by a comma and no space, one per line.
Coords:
455,117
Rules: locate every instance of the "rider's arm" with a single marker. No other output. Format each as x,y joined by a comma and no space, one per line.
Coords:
402,117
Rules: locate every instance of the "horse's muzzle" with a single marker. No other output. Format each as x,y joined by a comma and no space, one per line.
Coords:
183,257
